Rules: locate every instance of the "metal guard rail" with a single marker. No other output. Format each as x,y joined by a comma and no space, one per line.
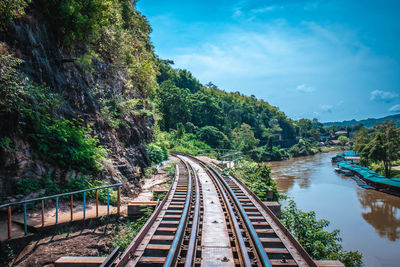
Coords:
71,194
60,195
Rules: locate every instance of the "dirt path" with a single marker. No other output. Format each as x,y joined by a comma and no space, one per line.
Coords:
396,168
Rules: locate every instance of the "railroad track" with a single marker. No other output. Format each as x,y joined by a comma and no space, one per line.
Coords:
208,219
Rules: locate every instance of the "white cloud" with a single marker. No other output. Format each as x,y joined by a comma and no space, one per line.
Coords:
265,9
395,108
326,108
383,95
256,54
304,88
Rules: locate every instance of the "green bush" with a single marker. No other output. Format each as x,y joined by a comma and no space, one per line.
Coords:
257,178
179,141
12,85
320,244
29,185
343,139
10,9
303,148
156,153
67,144
213,137
77,19
261,154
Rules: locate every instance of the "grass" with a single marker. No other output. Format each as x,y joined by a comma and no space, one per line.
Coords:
126,232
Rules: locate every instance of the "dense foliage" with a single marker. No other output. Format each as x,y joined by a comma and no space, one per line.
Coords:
10,9
66,143
257,177
231,120
320,244
217,118
303,148
380,146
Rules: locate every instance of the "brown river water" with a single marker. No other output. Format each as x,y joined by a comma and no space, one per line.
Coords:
369,221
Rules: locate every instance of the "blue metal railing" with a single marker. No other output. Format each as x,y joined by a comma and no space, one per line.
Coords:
71,194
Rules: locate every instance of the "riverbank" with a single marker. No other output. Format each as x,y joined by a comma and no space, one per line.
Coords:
369,220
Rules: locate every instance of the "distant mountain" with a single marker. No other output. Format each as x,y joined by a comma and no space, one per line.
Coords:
370,122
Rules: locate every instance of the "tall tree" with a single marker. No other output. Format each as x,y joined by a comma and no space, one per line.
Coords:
243,138
384,146
172,102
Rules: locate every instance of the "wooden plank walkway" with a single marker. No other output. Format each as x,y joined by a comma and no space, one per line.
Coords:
34,218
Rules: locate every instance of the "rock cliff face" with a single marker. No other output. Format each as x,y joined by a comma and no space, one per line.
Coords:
82,91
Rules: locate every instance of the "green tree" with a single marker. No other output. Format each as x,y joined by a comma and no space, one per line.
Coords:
172,102
303,148
361,139
305,126
243,138
310,233
213,137
385,145
205,109
343,139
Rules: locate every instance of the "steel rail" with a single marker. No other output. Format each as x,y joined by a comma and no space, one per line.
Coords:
262,255
109,261
173,252
304,254
142,233
258,244
275,219
242,246
191,252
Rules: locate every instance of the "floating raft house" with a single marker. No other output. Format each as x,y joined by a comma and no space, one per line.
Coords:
371,176
348,156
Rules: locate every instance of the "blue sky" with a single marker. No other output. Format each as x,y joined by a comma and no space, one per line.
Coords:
331,59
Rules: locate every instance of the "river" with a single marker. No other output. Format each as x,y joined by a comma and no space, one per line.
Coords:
369,221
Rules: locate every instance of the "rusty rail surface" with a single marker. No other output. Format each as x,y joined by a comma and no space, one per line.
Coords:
278,247
127,254
171,236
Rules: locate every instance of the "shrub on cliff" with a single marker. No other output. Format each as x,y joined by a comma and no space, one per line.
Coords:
77,19
63,142
9,9
156,152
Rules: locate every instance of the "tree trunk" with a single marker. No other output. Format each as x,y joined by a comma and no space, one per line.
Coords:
387,170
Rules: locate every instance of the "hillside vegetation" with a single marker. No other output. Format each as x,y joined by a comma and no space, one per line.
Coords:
193,116
371,122
76,80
